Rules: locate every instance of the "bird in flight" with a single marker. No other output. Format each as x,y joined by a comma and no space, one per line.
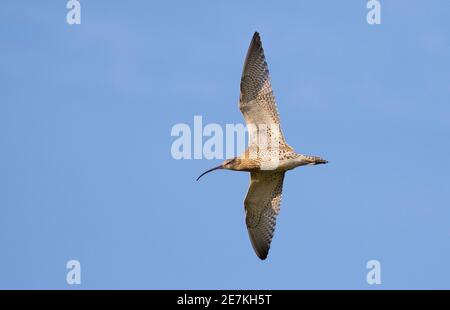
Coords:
267,156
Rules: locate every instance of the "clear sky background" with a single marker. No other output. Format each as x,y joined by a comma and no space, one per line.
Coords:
86,170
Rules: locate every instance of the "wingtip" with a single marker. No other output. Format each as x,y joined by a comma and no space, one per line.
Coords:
256,36
262,253
262,257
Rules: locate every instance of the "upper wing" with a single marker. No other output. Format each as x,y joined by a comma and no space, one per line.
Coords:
262,206
257,101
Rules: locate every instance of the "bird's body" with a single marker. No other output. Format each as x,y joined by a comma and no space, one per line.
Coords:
268,156
287,160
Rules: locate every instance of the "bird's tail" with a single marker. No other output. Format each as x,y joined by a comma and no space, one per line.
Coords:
315,160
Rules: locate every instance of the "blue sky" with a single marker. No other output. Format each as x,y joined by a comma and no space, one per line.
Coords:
86,171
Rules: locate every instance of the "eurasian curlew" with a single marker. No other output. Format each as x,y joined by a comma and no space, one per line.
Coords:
267,162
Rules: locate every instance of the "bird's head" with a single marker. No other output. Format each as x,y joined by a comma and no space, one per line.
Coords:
229,164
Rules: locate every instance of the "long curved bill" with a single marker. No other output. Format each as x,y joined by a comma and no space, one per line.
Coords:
215,168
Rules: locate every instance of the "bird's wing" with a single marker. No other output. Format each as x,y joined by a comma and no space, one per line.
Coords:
257,101
262,206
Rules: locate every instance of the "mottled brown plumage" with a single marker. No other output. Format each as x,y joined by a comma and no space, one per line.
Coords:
268,156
